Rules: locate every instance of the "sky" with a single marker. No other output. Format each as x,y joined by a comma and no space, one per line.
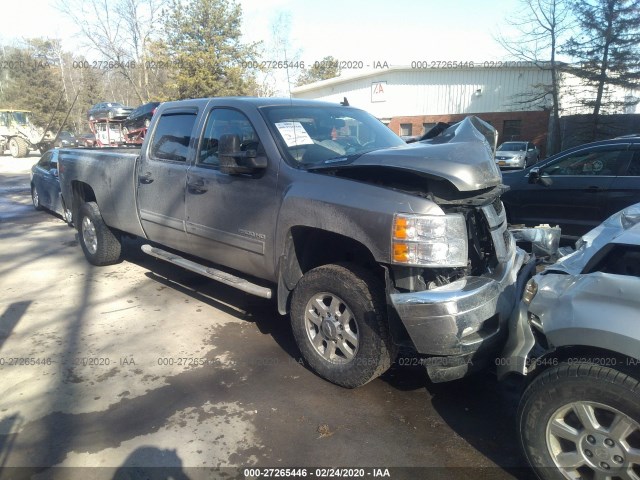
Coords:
396,32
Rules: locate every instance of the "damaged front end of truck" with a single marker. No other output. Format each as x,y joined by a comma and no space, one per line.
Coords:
455,273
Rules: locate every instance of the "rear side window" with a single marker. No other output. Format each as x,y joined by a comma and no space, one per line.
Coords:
172,136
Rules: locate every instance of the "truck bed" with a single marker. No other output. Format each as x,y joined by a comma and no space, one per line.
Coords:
110,172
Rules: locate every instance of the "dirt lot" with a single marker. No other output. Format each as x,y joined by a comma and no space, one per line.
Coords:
143,364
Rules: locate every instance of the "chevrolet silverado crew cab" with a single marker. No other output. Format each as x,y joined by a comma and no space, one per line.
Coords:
366,242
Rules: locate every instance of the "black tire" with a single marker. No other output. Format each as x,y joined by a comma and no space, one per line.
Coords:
18,147
35,198
605,394
100,244
359,292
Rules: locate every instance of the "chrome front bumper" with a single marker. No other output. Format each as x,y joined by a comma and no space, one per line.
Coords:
459,318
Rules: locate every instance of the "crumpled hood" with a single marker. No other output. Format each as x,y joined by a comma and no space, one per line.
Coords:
462,154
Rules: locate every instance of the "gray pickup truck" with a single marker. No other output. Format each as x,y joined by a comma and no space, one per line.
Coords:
369,244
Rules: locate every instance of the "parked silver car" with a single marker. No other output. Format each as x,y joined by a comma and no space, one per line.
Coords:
517,155
576,337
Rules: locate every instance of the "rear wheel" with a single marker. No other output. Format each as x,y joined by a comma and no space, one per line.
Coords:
18,147
100,244
339,323
582,421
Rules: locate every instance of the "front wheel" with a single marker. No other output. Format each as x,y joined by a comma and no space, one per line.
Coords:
35,198
100,244
582,421
339,322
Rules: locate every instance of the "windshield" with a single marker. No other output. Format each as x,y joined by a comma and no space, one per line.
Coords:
513,147
20,117
316,135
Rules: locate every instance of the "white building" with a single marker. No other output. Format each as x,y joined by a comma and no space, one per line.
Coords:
509,95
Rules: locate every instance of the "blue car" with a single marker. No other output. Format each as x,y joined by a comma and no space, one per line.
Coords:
45,185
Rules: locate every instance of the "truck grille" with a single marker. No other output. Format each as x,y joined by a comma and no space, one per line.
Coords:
490,243
496,218
498,206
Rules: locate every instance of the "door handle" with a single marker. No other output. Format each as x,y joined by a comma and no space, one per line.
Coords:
196,186
146,178
593,189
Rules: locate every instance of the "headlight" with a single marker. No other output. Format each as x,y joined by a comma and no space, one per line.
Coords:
429,240
530,291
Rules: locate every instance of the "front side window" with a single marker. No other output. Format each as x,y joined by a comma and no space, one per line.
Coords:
224,121
315,135
587,162
172,136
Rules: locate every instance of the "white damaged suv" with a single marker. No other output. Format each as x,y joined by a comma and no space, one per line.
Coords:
576,338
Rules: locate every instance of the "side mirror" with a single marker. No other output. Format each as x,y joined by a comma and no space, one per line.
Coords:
536,177
234,161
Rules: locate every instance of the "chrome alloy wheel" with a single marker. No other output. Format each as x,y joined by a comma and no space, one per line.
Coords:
592,440
331,328
89,235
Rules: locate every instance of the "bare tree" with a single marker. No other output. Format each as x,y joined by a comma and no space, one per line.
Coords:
280,63
542,27
122,32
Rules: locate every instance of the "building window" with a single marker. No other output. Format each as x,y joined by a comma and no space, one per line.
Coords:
405,129
427,126
511,129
